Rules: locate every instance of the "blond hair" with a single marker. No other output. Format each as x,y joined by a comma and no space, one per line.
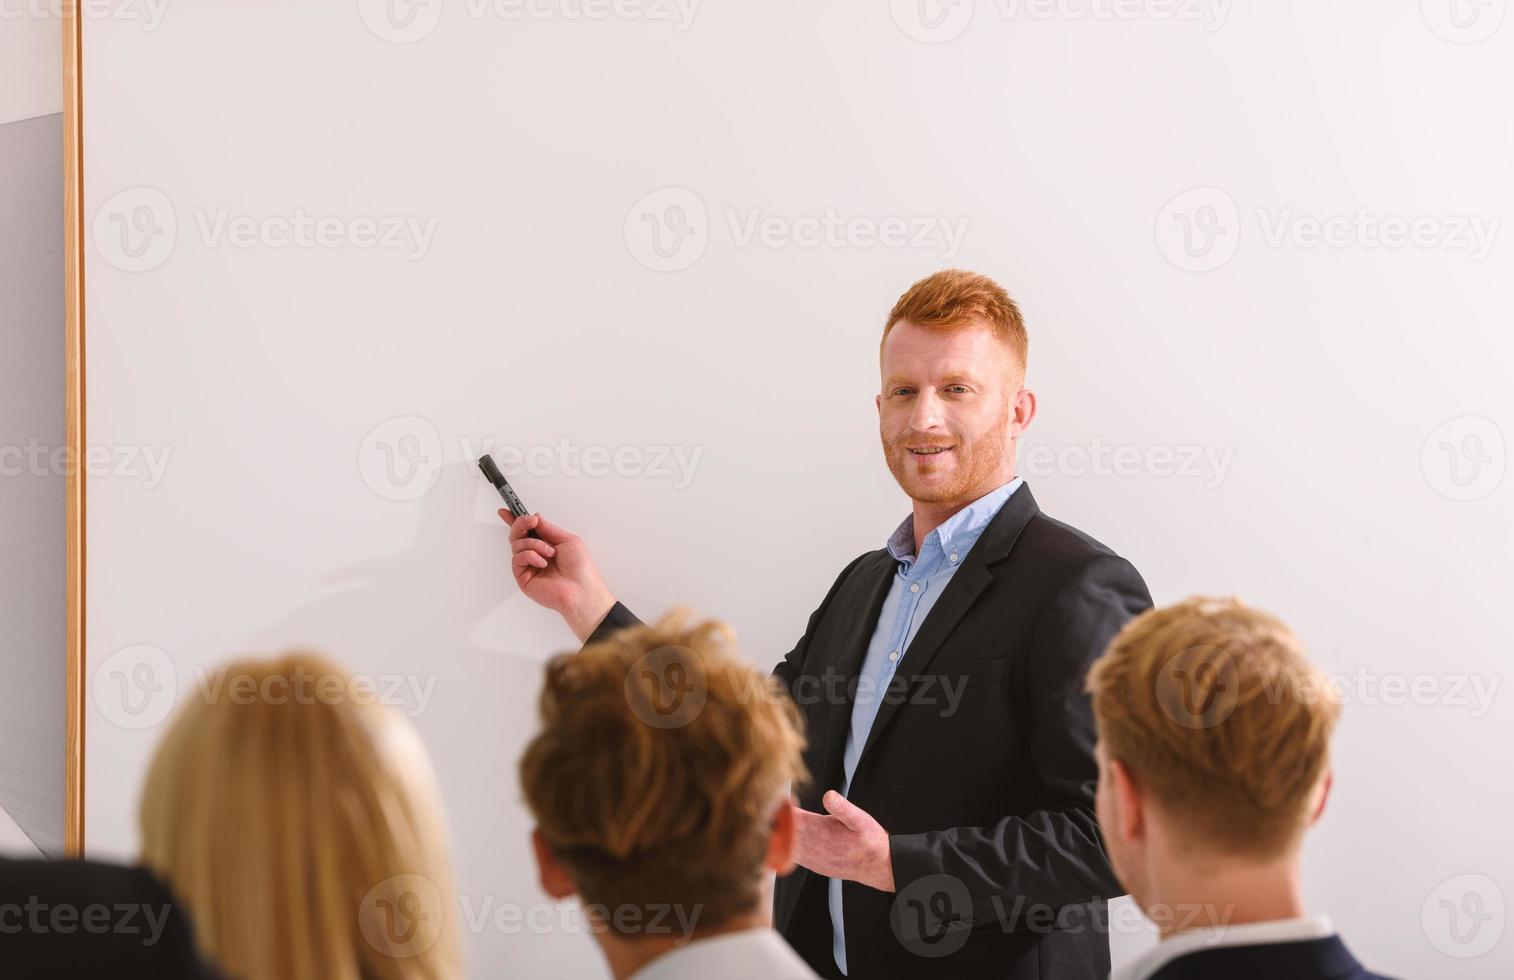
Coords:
1216,712
298,820
661,758
954,299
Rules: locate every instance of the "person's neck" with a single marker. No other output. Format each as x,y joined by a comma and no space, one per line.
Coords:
930,515
1226,893
629,954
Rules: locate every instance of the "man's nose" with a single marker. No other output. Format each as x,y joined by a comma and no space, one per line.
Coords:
926,413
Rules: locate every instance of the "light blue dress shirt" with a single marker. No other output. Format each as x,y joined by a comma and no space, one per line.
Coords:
917,584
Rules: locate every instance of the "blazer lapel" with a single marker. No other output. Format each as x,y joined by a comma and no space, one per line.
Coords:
961,592
876,574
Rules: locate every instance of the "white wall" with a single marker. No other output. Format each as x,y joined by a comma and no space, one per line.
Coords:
270,374
31,51
32,701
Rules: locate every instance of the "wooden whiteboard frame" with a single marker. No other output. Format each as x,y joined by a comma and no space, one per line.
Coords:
73,358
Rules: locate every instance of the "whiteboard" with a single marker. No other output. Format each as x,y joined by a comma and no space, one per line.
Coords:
337,249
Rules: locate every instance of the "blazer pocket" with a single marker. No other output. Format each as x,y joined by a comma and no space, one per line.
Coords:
980,672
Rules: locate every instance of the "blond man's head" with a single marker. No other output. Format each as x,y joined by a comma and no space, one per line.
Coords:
1214,736
660,776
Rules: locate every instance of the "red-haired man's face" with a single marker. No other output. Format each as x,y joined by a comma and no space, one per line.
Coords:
950,411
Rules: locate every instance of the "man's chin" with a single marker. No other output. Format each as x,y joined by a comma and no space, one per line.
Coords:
930,489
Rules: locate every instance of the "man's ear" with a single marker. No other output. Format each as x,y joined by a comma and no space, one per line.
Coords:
1326,782
554,879
780,857
878,404
1024,411
1131,821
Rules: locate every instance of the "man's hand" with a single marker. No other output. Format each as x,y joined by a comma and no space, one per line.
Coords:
557,571
847,844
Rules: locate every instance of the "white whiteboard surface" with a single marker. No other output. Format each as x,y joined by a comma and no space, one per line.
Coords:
255,385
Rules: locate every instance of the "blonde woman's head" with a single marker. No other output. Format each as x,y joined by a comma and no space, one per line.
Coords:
299,821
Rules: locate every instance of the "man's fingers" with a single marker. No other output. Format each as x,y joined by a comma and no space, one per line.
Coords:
842,809
506,516
525,560
549,531
533,544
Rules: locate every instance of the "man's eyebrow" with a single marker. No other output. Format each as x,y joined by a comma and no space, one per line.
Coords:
955,378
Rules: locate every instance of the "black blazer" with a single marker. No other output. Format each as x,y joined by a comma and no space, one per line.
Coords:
73,919
1310,959
979,764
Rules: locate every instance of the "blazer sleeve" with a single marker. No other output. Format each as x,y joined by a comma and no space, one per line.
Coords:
618,618
1029,866
787,670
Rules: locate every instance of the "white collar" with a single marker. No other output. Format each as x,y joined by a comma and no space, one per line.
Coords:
1210,937
746,953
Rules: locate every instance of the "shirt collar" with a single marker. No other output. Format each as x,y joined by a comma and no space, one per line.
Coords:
959,532
1210,937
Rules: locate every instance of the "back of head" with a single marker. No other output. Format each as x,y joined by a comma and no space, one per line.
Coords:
1216,713
661,762
299,821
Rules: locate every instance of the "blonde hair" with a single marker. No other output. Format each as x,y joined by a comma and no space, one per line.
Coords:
298,820
1216,712
660,761
954,299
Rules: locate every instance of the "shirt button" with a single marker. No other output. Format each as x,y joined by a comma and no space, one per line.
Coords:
894,655
915,587
953,556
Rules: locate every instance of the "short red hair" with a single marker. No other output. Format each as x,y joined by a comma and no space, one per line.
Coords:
954,299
